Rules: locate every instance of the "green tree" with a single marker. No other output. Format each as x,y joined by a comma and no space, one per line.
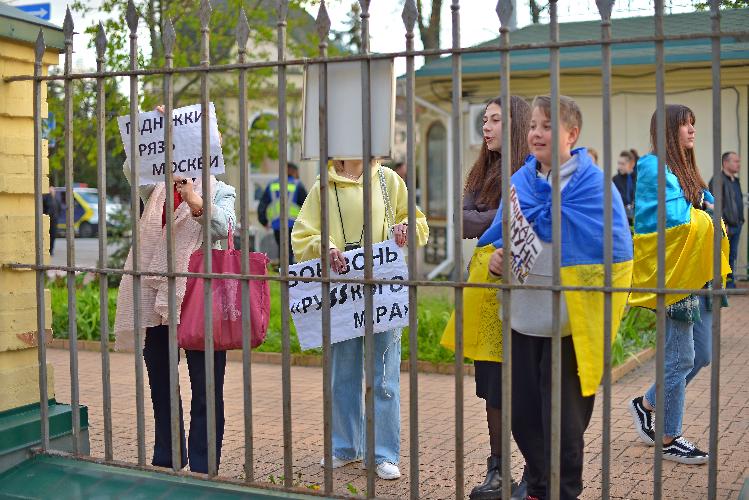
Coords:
184,14
724,4
85,146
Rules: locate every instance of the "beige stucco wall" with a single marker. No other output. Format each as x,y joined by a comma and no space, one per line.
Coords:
19,370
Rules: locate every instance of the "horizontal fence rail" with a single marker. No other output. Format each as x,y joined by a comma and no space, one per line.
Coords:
214,361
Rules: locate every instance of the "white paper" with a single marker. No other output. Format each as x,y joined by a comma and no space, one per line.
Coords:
525,243
187,159
347,299
344,109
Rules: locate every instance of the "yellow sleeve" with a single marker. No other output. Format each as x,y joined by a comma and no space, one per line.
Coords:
399,198
305,235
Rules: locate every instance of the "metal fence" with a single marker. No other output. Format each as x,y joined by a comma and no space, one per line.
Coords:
242,66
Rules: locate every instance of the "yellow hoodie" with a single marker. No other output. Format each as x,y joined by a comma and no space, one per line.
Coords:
305,237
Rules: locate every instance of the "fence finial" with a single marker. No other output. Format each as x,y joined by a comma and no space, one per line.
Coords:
168,37
283,10
410,14
243,31
604,8
364,6
205,14
67,26
40,46
504,11
323,23
101,42
131,16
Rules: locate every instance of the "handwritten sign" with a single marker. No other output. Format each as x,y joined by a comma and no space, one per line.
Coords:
187,160
347,299
525,243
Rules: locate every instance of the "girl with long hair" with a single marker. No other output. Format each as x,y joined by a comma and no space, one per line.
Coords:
689,265
482,331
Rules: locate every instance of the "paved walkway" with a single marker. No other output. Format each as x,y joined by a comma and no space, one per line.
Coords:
631,472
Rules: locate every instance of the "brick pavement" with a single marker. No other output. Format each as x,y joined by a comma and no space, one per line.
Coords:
631,470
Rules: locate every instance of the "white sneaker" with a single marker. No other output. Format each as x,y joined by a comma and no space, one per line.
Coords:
339,462
388,470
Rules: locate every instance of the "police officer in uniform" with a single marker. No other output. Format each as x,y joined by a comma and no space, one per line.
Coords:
269,208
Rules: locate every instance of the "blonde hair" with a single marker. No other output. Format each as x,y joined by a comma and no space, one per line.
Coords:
569,112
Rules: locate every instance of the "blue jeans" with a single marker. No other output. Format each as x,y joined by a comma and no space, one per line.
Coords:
349,430
688,349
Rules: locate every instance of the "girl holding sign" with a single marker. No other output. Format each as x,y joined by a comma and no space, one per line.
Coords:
482,328
689,264
346,225
189,199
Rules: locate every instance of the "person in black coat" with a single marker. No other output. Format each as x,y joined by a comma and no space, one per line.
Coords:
626,180
733,207
51,207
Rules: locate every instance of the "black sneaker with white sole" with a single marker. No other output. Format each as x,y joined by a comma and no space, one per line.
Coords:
643,420
682,451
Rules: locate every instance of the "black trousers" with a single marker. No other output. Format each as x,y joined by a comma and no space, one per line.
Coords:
531,414
156,356
277,234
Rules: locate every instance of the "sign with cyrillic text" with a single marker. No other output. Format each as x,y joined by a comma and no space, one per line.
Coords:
347,299
525,243
187,159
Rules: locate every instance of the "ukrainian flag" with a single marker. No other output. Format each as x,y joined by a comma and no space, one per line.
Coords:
582,253
689,238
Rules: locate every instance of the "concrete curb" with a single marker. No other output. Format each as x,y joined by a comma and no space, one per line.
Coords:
274,358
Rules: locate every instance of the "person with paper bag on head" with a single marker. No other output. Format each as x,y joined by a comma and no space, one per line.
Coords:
189,198
346,226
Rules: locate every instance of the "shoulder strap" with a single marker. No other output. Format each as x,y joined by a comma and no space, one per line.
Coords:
386,199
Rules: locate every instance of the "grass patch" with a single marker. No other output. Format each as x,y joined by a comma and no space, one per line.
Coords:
636,332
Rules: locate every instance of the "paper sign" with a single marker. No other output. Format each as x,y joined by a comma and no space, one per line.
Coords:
525,243
187,159
347,299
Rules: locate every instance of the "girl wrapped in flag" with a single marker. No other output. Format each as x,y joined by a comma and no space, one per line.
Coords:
689,265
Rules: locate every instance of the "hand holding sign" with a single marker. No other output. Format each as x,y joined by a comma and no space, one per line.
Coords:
347,299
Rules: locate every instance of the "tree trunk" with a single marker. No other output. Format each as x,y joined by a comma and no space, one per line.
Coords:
430,33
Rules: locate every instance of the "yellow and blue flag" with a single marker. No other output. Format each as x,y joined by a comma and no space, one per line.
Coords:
689,238
582,252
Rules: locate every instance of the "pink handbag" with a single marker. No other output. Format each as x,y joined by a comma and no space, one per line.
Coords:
227,302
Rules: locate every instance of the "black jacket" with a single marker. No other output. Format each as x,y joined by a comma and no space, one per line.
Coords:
733,203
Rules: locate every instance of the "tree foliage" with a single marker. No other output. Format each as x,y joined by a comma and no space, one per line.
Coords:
153,16
724,4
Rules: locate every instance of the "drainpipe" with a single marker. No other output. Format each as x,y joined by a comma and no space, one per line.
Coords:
446,265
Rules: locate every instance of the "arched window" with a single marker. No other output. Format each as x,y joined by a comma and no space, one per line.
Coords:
436,170
263,139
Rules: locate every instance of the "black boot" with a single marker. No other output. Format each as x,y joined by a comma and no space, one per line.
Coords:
491,488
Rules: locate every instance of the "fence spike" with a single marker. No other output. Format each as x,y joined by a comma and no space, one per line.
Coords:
323,22
168,38
205,14
504,11
410,14
131,16
243,31
364,6
604,8
40,46
67,26
101,42
283,10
